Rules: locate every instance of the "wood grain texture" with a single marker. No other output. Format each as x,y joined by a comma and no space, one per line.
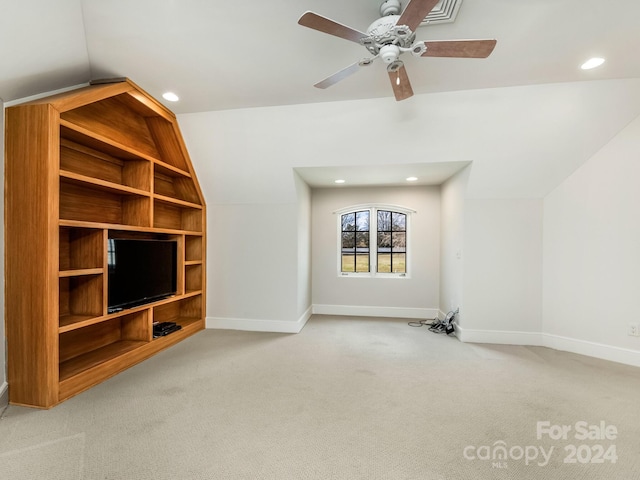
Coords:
193,278
71,183
82,96
80,249
167,142
111,119
460,48
31,254
325,25
84,372
402,88
193,248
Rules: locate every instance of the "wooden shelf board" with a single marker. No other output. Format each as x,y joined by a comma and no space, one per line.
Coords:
113,226
103,185
192,262
96,357
176,201
170,170
71,322
80,272
191,293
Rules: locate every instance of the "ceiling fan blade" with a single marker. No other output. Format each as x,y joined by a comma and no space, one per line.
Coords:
336,77
400,84
460,48
326,25
415,11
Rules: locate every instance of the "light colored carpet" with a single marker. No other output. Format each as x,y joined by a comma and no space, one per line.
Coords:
347,398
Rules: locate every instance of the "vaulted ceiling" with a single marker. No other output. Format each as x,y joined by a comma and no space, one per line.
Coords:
225,55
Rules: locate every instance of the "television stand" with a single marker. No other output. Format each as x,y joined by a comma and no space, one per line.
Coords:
81,167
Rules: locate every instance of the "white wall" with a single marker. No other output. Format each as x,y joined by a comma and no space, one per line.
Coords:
502,270
592,253
523,142
304,246
453,193
415,296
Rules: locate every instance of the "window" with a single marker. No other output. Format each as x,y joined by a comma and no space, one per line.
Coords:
373,240
392,242
355,241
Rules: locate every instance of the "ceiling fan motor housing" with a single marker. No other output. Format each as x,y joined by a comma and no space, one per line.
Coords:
384,31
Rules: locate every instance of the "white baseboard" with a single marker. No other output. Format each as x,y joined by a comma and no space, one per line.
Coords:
4,396
257,325
593,349
363,311
503,337
556,342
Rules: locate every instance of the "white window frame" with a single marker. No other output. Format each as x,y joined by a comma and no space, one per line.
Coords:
373,239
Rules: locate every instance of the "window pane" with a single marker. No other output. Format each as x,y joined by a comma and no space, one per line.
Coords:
348,240
348,263
349,222
399,241
384,221
362,240
362,221
362,262
399,261
384,262
399,222
384,241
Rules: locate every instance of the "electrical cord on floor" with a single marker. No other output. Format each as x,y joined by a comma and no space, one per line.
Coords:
422,323
438,326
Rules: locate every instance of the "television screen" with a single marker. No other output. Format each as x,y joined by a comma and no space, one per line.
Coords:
140,272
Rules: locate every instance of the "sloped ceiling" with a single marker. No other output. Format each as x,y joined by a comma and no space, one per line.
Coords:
222,55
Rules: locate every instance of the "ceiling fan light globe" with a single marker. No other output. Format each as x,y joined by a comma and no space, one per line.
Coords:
393,67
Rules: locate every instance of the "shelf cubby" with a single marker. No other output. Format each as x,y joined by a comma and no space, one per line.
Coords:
112,119
175,216
80,297
86,161
193,277
170,184
185,311
89,203
83,348
193,248
80,248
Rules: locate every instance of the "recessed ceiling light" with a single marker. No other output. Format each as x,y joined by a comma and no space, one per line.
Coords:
339,181
592,63
412,179
170,96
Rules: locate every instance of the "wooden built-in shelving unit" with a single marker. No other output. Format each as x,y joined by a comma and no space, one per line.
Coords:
105,161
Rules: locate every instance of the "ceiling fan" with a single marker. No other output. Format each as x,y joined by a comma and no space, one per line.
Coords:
392,35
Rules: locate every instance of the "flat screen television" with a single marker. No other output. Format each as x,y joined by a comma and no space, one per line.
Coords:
140,272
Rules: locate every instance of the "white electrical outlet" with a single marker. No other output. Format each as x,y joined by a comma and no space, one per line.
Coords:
634,330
